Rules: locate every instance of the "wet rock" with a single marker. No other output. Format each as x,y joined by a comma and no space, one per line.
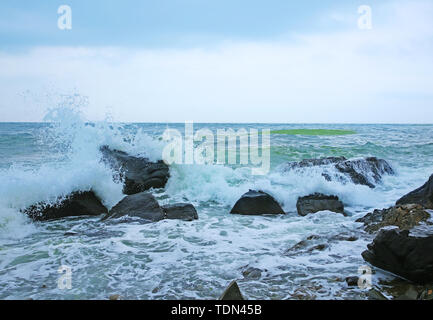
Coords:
114,297
141,205
182,211
252,273
82,203
405,254
319,202
256,203
427,293
232,292
139,174
374,294
404,217
366,171
315,243
352,281
423,195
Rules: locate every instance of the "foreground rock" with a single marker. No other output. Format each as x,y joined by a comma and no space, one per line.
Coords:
319,202
405,217
182,211
139,174
84,203
367,171
232,292
423,195
256,203
141,205
408,255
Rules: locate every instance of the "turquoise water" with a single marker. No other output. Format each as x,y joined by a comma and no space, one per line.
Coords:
187,260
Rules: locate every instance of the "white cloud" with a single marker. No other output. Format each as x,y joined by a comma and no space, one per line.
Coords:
381,75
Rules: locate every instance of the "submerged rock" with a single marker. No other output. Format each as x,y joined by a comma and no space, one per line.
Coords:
423,195
405,217
182,211
139,174
319,202
366,171
232,292
141,205
405,254
81,203
314,243
252,273
256,203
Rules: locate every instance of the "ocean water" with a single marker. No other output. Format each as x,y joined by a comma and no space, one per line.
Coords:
191,260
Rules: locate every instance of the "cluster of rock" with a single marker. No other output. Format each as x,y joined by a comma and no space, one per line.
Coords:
138,175
404,242
366,171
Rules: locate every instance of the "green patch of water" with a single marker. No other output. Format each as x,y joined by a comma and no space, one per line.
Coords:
314,132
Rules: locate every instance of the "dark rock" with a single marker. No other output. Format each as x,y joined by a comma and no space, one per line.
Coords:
141,205
374,294
182,211
232,292
423,195
317,243
403,216
252,273
352,281
138,174
256,203
82,203
366,171
319,202
405,254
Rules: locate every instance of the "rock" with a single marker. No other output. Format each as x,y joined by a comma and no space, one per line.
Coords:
315,243
374,294
256,203
366,171
80,203
139,174
142,205
114,297
319,202
252,273
423,195
408,255
352,281
182,211
232,292
403,216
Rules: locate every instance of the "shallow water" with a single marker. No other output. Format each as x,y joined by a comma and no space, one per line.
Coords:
187,260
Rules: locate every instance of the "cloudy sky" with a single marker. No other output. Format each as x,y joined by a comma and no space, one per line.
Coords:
220,61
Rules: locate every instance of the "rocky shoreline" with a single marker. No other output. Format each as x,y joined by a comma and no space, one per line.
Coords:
403,234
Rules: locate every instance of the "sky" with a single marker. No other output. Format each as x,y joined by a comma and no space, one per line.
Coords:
219,61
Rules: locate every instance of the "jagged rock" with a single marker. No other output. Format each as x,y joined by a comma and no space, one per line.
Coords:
182,211
319,202
403,216
423,195
80,203
366,171
404,253
232,292
139,174
256,203
141,205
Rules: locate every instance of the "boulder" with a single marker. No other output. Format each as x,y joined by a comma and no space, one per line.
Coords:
80,203
366,171
404,253
182,211
404,217
139,174
142,205
256,203
423,195
232,292
319,202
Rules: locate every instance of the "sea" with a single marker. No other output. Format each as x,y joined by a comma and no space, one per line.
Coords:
174,259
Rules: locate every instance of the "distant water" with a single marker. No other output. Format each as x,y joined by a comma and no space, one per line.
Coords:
187,260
